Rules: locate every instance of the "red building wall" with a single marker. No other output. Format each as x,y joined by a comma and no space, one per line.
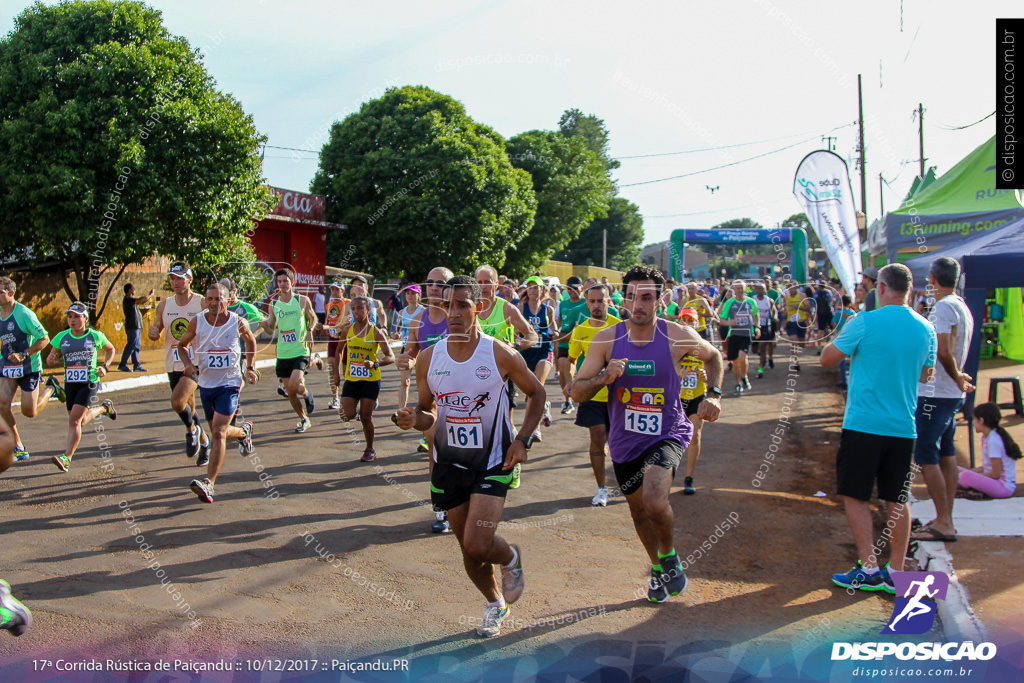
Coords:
294,235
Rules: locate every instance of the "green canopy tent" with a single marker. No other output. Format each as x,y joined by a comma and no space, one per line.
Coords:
962,203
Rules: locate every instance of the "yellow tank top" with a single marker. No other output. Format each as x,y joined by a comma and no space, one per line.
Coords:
701,315
361,349
692,384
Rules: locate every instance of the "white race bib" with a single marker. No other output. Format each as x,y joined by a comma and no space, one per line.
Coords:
643,420
690,380
289,336
359,371
464,432
14,371
177,358
76,373
219,360
743,321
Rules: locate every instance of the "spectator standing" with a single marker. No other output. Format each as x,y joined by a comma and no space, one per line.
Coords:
132,328
890,349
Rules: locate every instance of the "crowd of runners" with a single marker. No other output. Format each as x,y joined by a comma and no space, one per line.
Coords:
641,366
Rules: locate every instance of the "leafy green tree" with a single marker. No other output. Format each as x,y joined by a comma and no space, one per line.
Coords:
420,184
571,189
574,123
115,145
800,220
625,228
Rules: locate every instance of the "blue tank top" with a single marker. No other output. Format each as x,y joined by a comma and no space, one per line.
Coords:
539,321
643,403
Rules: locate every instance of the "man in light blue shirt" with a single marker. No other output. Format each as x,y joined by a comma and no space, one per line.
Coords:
891,349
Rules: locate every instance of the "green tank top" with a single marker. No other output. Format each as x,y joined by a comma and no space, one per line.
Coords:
291,325
494,324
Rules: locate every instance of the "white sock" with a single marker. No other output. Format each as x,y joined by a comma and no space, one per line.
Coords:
512,564
500,604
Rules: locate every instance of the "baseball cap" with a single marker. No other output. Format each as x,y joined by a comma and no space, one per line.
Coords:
574,281
180,270
412,288
77,307
534,281
359,278
337,285
689,313
871,273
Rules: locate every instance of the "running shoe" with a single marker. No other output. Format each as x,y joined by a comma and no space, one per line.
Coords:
303,425
600,499
202,488
771,363
567,406
318,361
369,455
310,403
109,406
688,489
58,390
441,525
491,624
334,404
20,453
516,472
887,583
796,367
746,384
760,373
546,420
424,446
245,443
673,574
861,579
738,390
141,369
281,391
204,454
512,580
62,462
19,618
192,442
537,437
123,368
656,591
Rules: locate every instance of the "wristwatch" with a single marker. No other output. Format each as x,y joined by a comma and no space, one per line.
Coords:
527,442
715,391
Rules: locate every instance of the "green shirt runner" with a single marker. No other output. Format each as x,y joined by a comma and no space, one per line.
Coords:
80,354
291,325
18,331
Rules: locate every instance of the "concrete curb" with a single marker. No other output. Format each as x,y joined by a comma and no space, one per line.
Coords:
159,378
959,622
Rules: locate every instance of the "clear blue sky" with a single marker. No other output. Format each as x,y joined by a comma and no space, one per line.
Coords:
665,77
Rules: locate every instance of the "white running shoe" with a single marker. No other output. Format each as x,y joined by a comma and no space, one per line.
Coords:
303,425
601,498
491,624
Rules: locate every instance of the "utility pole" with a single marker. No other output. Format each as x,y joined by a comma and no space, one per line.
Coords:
863,162
881,199
604,248
829,140
920,134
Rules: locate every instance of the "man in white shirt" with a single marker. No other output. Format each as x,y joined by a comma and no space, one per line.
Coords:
939,400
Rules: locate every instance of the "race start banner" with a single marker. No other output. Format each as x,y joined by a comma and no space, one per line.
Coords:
822,186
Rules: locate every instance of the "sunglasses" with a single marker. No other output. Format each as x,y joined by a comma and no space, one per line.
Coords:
439,283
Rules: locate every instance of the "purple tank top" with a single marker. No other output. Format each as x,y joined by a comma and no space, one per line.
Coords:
643,404
430,333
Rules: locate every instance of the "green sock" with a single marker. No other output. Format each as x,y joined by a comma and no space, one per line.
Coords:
662,556
6,617
656,567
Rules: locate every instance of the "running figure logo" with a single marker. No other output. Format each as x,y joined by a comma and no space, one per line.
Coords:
480,401
917,594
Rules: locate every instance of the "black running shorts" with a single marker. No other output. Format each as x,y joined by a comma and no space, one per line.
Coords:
286,366
451,486
630,475
866,458
592,414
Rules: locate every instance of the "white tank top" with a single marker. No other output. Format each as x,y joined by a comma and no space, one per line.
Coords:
176,319
473,430
218,353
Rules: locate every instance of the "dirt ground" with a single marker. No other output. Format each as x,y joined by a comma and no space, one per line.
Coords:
329,558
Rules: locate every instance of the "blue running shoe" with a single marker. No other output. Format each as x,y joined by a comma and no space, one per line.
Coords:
673,574
58,390
858,578
20,453
887,583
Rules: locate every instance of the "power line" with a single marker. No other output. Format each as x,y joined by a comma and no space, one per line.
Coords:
733,163
942,127
707,149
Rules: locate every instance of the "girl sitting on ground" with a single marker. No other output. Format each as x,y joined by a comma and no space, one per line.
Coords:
999,453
